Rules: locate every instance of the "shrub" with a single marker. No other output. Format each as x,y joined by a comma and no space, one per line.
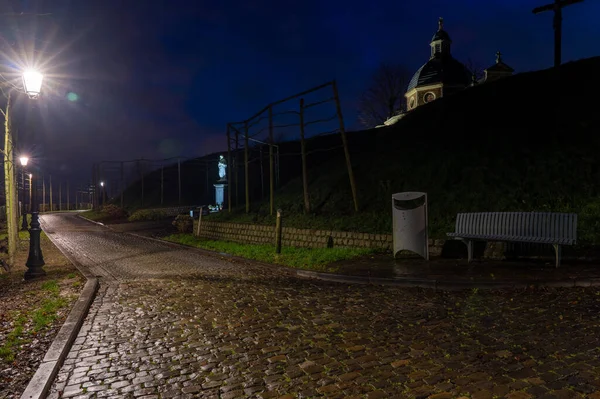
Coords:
147,214
113,212
184,224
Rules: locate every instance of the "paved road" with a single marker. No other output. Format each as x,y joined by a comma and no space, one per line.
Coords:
174,323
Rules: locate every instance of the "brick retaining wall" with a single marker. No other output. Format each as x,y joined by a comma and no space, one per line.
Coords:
306,238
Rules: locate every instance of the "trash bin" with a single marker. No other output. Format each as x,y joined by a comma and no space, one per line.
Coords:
409,212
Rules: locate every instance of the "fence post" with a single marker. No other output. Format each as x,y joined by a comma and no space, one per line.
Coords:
229,165
271,177
43,194
51,205
199,221
237,146
345,143
179,179
162,186
278,232
246,167
122,183
303,154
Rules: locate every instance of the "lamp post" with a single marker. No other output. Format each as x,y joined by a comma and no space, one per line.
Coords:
23,161
32,82
30,176
103,193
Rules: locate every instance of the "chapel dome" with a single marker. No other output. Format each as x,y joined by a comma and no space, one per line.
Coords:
443,69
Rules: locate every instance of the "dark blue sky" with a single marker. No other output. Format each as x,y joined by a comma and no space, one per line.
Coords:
159,78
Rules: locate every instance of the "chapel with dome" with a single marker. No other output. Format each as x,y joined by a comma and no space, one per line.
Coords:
443,75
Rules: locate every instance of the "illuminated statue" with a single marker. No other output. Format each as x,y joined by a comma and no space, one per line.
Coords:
222,167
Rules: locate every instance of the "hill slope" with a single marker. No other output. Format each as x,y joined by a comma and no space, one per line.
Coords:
523,143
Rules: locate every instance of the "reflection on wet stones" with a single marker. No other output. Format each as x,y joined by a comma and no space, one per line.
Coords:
177,324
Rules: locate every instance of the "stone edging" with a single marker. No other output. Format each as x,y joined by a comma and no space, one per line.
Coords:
449,285
44,377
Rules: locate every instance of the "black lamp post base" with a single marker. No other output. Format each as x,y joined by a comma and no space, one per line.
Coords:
32,274
35,261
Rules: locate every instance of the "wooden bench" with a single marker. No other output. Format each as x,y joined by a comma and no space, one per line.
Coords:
533,227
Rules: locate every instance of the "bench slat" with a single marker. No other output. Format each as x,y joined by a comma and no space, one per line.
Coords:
534,227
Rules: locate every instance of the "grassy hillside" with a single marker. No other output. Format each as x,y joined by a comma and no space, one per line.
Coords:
524,143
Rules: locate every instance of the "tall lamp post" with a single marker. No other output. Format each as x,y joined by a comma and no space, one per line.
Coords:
23,161
103,193
30,177
32,82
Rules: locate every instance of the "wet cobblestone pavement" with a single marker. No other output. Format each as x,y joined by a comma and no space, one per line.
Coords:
170,322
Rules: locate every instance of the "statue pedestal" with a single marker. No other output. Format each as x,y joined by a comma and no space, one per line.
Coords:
220,193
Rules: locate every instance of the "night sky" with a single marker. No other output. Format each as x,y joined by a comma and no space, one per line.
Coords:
156,79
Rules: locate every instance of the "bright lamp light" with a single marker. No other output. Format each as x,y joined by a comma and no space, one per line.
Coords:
32,81
30,175
102,183
24,161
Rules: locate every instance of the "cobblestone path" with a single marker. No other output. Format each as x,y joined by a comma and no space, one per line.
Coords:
173,323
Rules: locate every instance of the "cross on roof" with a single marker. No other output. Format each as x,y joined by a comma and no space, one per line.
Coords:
557,7
498,57
441,23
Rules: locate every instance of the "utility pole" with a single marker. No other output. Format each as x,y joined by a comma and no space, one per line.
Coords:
179,178
51,205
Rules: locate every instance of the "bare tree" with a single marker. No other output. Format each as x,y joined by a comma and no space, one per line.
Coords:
474,68
385,95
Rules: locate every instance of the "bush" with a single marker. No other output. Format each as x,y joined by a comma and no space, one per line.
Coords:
113,212
147,214
184,224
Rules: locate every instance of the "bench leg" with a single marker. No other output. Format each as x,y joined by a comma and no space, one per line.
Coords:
557,252
469,245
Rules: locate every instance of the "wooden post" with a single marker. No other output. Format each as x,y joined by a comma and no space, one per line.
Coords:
229,165
271,176
199,222
43,194
179,179
237,146
246,167
206,170
262,174
51,205
162,185
303,154
278,230
141,165
122,184
345,144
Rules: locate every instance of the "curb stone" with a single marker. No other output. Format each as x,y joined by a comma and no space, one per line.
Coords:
44,377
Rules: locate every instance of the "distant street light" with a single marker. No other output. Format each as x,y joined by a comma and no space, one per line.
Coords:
23,161
32,83
103,193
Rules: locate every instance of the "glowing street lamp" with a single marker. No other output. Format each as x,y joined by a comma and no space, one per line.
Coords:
24,161
32,82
